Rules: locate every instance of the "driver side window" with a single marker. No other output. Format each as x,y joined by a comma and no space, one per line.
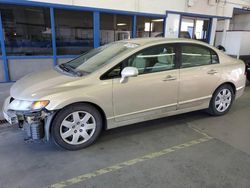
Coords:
153,59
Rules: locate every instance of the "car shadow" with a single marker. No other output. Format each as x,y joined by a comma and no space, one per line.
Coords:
124,132
148,126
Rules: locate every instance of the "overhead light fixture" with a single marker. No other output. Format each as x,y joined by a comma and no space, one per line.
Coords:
157,20
121,24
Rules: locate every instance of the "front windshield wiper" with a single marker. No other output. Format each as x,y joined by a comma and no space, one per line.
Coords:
64,68
69,69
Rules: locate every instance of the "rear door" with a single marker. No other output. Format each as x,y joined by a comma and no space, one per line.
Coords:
199,75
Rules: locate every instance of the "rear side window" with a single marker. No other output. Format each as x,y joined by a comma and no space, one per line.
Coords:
197,55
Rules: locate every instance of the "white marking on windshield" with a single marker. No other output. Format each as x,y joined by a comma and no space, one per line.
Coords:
131,45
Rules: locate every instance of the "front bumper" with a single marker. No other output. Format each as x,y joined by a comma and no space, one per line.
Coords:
239,92
36,124
10,116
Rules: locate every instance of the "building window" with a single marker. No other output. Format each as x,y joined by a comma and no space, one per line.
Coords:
74,31
195,28
115,27
149,27
27,30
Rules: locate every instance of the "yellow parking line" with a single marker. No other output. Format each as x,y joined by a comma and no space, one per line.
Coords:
84,177
197,130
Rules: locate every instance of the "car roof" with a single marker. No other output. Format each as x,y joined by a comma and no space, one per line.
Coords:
145,41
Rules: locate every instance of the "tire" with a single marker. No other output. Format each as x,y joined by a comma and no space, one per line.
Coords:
222,100
76,126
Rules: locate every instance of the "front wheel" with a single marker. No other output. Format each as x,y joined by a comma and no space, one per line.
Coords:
222,100
77,126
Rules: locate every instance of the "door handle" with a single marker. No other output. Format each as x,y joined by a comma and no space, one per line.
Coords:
169,78
212,72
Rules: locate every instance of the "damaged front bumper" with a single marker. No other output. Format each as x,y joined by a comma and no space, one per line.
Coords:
36,124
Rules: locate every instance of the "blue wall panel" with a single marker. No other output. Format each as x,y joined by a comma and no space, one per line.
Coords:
96,20
4,57
53,32
134,27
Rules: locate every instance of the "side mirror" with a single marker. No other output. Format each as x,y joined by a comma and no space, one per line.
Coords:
128,72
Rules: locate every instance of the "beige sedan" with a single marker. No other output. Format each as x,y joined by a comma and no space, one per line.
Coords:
123,83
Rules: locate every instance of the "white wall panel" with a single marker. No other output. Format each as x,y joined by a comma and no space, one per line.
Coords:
241,22
245,45
213,30
172,26
158,6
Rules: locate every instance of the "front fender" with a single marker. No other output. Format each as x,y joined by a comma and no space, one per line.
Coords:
100,95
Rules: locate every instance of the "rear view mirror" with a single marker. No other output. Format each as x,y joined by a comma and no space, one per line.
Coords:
128,72
221,48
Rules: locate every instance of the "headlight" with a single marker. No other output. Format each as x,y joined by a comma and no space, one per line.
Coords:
21,105
39,105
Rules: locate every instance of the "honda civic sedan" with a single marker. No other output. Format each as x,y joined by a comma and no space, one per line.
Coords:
123,83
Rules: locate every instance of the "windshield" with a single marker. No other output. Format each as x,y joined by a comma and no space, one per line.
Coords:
98,57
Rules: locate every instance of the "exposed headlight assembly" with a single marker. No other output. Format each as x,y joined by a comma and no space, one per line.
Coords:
22,105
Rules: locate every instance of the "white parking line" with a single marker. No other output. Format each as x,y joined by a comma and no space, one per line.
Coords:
84,177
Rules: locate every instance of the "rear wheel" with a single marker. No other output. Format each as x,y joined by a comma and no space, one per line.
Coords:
77,126
222,100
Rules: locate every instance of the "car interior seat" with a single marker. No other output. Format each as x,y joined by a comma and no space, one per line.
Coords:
140,63
165,61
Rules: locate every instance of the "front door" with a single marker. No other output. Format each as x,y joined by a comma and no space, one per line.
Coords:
154,90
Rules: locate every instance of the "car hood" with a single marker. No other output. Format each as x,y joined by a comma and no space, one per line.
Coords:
37,85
